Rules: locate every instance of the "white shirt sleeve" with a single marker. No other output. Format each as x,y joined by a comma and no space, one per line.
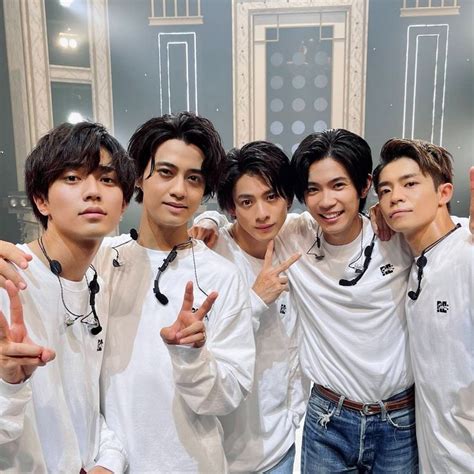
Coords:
219,219
112,454
14,399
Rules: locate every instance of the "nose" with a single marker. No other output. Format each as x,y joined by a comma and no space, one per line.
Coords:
327,199
178,187
396,194
262,213
91,188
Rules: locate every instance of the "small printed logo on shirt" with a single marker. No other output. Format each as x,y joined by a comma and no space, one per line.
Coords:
283,308
100,345
387,269
442,307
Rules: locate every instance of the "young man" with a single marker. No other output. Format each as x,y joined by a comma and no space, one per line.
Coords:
162,396
414,185
348,289
79,180
255,187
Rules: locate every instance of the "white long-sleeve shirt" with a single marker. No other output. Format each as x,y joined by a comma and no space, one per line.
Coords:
441,329
262,429
52,423
163,400
355,338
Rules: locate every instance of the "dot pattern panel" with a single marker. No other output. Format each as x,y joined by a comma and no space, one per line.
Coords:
298,88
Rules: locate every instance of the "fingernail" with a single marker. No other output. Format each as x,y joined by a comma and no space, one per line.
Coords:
23,264
22,286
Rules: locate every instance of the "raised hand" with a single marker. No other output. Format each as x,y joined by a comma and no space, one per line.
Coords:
379,224
471,207
206,231
189,327
19,356
269,283
11,253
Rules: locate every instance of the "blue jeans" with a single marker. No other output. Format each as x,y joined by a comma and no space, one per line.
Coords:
285,466
338,439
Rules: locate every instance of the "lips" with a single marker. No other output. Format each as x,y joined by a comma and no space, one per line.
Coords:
93,211
331,215
398,212
264,227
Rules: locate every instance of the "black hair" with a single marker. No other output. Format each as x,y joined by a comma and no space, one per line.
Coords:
69,146
185,126
433,160
259,158
348,149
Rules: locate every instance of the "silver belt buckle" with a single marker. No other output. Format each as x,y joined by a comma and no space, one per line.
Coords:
367,409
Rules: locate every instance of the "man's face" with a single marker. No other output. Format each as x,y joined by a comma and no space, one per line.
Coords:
332,199
172,194
260,212
408,199
84,206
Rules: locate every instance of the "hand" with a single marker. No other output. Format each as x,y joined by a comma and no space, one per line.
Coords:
269,283
99,470
206,231
189,327
379,224
11,253
471,207
19,357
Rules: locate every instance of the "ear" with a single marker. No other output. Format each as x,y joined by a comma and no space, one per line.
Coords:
366,188
232,213
124,207
42,205
445,193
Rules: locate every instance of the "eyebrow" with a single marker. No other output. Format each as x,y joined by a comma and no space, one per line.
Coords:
338,178
171,165
106,168
401,178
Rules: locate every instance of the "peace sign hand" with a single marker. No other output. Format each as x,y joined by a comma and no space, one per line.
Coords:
269,283
19,356
189,327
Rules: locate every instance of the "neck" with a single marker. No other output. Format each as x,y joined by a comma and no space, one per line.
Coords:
423,237
247,243
156,237
348,237
74,256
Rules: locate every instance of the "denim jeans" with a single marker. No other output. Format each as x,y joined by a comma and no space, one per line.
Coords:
285,466
338,439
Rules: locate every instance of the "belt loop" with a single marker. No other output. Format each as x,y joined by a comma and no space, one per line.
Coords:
339,405
383,410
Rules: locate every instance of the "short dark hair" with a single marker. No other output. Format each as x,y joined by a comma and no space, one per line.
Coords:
433,160
259,158
69,146
185,126
348,149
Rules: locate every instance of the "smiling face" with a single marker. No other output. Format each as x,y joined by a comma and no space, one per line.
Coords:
84,206
409,199
172,194
259,211
332,199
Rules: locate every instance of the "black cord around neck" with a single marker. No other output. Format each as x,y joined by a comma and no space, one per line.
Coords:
93,287
421,262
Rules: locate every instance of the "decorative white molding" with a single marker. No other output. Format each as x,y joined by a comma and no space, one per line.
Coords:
102,100
188,39
414,32
28,74
429,11
76,75
244,13
175,20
